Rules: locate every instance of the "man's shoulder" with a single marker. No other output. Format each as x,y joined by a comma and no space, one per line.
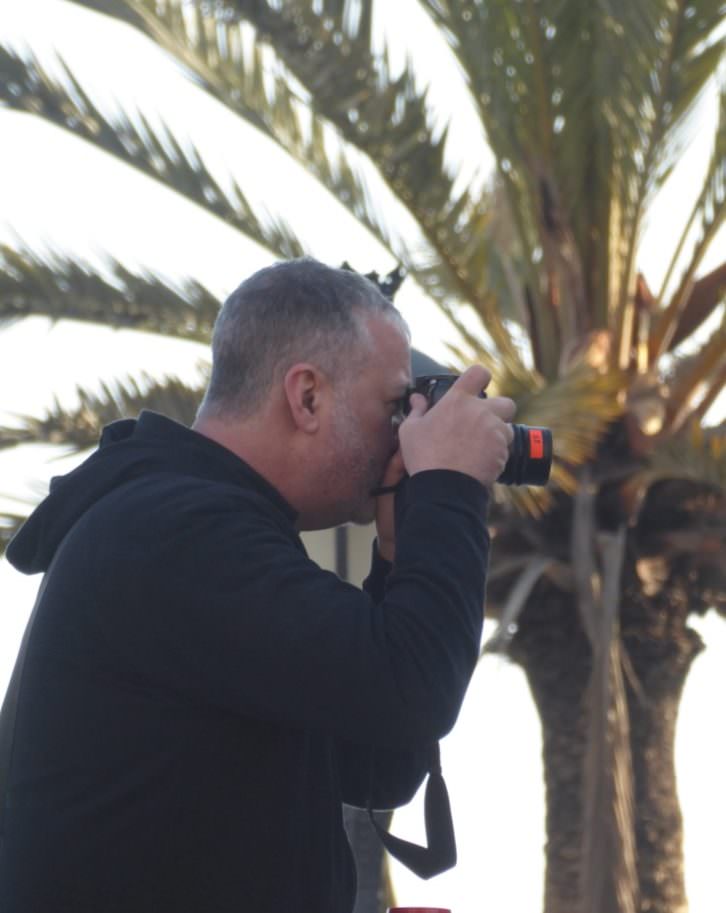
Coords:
166,501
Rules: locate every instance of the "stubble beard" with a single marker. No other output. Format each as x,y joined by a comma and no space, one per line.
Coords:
354,469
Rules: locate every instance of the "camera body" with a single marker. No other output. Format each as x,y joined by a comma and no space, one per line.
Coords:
530,457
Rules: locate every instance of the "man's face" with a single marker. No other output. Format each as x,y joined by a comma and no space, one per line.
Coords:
365,418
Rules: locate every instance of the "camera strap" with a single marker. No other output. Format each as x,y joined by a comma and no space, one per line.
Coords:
439,854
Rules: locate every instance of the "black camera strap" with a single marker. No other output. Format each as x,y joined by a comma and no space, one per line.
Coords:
439,854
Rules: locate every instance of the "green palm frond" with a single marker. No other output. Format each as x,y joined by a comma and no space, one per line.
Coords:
682,489
213,52
519,61
388,119
80,426
153,150
357,102
579,408
693,460
58,286
685,60
696,454
616,81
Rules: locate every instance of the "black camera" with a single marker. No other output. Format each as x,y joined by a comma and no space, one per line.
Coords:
530,457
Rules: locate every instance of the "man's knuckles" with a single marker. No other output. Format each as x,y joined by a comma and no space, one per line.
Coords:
472,381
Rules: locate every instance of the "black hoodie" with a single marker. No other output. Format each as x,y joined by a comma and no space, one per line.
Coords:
199,697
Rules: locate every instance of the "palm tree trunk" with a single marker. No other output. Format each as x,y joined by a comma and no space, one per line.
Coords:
661,660
555,654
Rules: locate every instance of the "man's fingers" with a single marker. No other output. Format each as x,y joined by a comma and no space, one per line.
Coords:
473,380
502,406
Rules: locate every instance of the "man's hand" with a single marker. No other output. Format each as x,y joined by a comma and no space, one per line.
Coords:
461,432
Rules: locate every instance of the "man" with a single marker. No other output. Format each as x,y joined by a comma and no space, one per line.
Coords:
199,697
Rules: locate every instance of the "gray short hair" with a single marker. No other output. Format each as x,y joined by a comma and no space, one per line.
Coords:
296,310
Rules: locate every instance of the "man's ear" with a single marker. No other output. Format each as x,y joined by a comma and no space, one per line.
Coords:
305,387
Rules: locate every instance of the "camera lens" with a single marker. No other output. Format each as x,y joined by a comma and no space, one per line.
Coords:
530,457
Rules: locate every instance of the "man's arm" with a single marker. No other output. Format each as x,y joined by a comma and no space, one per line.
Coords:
385,778
218,601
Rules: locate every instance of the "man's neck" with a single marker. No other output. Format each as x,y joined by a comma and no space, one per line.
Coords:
264,446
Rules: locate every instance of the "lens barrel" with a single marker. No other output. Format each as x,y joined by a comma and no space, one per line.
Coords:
530,457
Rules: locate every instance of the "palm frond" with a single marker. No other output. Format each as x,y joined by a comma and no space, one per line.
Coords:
707,294
153,150
694,375
700,413
708,214
543,81
608,767
58,286
213,53
211,48
511,61
80,426
681,515
684,63
518,595
505,54
597,560
617,80
694,457
388,119
579,409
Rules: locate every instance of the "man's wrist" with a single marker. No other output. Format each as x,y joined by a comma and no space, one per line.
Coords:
386,549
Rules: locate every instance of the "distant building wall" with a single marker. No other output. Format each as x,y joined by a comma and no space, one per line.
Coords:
345,550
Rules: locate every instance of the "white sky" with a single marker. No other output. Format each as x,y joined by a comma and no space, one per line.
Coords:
55,189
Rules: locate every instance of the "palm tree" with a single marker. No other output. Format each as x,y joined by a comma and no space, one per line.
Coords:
585,107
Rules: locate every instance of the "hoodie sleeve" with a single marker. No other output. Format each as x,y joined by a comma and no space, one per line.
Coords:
375,582
388,778
216,599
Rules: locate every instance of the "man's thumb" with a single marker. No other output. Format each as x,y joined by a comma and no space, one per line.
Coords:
418,404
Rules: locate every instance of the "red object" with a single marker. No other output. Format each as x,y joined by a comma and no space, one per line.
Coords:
536,444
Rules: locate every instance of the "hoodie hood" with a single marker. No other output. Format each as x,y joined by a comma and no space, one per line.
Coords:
127,449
